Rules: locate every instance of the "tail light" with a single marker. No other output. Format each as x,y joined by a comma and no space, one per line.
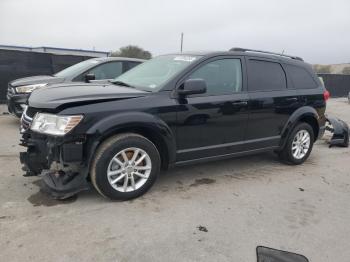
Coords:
326,95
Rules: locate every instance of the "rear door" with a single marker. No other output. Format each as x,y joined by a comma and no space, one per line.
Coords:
271,102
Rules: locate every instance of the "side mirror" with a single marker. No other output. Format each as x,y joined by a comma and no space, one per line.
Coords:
270,254
193,86
89,77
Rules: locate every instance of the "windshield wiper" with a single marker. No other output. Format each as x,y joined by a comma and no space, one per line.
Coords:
121,83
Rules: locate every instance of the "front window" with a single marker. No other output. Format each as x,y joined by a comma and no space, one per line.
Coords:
107,70
151,75
223,76
77,68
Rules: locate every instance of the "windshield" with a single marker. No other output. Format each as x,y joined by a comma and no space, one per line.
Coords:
152,74
77,68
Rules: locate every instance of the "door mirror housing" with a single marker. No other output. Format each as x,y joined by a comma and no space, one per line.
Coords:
192,86
89,77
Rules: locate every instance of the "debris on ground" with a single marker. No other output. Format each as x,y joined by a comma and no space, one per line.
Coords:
202,228
339,130
202,181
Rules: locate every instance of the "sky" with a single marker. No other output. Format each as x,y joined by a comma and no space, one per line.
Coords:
316,30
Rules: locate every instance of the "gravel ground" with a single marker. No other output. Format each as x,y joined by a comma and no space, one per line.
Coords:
218,211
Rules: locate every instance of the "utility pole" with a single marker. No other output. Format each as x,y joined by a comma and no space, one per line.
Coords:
182,40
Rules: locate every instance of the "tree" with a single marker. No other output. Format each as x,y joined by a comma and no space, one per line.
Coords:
132,51
322,69
346,70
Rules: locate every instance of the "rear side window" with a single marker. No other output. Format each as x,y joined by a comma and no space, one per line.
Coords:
300,77
266,76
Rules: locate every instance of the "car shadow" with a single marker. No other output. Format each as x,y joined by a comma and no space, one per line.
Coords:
244,167
184,178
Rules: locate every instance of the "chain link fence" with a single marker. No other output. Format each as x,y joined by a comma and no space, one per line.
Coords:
338,85
16,64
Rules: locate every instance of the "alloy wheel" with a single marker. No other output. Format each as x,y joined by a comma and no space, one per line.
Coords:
129,169
301,144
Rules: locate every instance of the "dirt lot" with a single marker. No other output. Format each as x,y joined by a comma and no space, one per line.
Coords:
241,203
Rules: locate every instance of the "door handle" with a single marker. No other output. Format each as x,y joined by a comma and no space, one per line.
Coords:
240,103
292,99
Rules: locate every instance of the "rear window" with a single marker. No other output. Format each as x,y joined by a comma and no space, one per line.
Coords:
300,77
266,76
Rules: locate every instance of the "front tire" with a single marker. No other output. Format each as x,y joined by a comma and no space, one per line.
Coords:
125,166
299,145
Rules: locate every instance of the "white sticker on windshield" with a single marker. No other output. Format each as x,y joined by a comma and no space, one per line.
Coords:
185,58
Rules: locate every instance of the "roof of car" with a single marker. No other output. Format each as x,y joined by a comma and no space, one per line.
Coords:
117,58
277,56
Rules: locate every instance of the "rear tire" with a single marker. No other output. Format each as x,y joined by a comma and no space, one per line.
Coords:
299,145
125,166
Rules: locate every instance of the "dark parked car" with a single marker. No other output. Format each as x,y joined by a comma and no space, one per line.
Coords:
103,68
172,110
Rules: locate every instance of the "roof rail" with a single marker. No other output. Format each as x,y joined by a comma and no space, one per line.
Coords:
239,49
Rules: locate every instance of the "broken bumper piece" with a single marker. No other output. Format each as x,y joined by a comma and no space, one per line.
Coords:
339,130
62,185
58,162
59,184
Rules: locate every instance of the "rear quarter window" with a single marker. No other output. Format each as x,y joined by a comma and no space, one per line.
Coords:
300,77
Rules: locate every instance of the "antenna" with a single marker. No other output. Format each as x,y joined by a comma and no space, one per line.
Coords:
182,40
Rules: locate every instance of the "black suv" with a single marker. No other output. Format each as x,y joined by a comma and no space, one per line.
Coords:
91,70
171,110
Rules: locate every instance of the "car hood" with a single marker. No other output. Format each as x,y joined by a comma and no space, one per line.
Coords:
36,80
66,95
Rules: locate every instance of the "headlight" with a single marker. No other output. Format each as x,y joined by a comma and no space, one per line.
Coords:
29,88
54,124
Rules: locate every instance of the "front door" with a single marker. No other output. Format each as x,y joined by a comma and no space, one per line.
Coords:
213,123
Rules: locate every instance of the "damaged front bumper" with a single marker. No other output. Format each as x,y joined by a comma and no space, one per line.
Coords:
59,161
339,130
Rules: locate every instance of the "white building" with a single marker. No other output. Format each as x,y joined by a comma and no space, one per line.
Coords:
56,50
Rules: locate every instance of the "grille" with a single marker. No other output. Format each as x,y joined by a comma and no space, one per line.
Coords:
30,112
27,118
10,90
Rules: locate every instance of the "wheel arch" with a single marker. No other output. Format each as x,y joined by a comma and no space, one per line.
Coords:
147,125
304,114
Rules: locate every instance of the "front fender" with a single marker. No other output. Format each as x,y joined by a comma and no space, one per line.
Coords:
298,114
135,120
